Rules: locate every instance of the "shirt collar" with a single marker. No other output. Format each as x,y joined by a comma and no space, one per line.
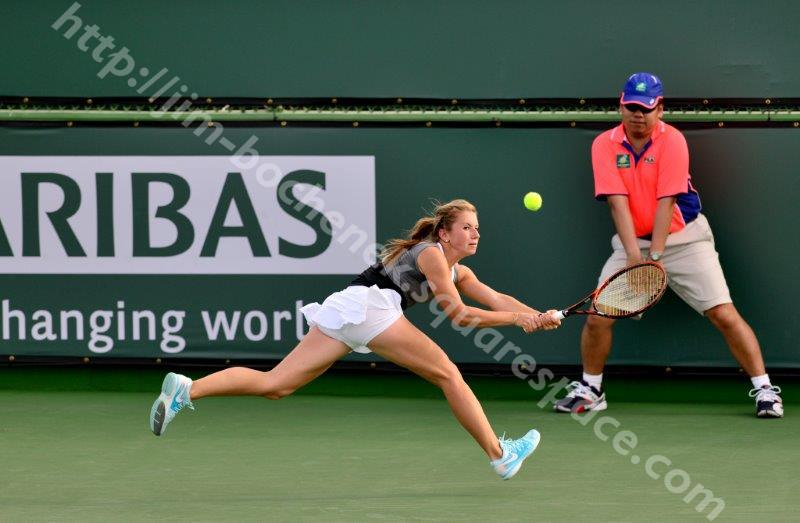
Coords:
618,133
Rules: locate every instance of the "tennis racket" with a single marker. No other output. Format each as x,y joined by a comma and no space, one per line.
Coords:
626,293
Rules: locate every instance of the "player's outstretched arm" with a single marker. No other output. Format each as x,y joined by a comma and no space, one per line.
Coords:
473,288
433,265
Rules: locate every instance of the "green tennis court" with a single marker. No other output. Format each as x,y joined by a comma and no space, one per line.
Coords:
384,447
190,200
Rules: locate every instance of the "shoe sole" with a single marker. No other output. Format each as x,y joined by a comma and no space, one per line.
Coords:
513,472
769,414
602,405
158,411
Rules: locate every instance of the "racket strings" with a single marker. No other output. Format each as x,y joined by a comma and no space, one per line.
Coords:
631,291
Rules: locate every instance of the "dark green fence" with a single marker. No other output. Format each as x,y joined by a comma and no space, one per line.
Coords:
416,48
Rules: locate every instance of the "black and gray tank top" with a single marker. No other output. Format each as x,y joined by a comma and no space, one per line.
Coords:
402,276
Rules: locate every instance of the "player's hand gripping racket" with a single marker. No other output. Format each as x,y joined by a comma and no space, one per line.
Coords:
626,293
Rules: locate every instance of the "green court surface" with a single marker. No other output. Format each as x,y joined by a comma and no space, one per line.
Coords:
385,448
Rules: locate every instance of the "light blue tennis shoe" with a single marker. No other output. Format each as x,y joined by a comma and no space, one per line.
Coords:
174,396
515,451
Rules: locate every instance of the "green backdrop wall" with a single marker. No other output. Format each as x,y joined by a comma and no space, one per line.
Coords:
411,48
444,49
747,180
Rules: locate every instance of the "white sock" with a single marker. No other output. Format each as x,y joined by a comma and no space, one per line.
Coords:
595,380
760,381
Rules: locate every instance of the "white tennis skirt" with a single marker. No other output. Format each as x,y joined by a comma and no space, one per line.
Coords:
355,315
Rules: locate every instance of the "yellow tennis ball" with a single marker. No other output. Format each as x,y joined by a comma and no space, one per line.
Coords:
533,201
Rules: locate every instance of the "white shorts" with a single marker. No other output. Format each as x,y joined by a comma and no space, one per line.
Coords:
691,261
355,315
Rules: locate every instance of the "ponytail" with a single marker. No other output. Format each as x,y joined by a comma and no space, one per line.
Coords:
426,229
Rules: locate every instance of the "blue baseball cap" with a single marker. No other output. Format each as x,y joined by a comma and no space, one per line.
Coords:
643,89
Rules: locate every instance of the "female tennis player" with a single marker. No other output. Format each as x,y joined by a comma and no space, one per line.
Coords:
368,316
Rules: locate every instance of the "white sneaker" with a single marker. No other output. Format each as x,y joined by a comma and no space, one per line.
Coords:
515,451
580,398
768,403
174,396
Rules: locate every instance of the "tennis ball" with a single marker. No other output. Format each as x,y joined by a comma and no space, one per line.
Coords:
533,201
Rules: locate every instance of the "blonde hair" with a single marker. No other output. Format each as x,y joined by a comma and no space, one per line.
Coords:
427,228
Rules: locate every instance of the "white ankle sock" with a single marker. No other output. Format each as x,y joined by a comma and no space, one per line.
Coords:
760,381
595,380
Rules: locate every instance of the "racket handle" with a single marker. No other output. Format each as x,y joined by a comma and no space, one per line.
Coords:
559,315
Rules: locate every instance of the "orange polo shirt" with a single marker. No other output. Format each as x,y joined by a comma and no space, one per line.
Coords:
659,171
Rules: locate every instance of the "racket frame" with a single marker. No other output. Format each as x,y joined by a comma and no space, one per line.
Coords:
573,309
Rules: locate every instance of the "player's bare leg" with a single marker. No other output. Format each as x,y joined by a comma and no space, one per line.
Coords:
744,346
315,353
587,393
739,336
312,356
407,346
596,343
